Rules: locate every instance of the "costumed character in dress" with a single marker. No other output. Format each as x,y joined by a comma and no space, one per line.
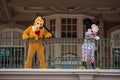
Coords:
88,46
35,33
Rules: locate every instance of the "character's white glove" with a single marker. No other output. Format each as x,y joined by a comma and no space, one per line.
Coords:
96,37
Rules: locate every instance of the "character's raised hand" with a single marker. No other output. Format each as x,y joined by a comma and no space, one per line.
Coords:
48,35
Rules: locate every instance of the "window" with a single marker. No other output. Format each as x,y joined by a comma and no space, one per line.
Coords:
11,48
68,27
116,58
116,49
9,37
117,38
52,26
11,56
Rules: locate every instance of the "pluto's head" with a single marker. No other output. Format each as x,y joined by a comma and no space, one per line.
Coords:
38,24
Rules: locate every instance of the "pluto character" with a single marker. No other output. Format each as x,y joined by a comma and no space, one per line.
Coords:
34,34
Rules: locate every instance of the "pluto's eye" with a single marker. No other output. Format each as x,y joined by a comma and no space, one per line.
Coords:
38,23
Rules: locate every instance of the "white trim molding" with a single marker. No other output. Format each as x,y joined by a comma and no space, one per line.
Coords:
59,74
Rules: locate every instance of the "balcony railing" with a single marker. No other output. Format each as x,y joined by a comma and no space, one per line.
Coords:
60,53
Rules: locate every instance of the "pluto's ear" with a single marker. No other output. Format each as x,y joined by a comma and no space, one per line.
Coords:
87,22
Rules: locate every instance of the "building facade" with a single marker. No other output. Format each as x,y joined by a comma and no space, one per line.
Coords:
64,50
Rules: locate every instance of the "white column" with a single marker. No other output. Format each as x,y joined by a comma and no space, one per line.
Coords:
58,27
101,26
80,27
79,34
